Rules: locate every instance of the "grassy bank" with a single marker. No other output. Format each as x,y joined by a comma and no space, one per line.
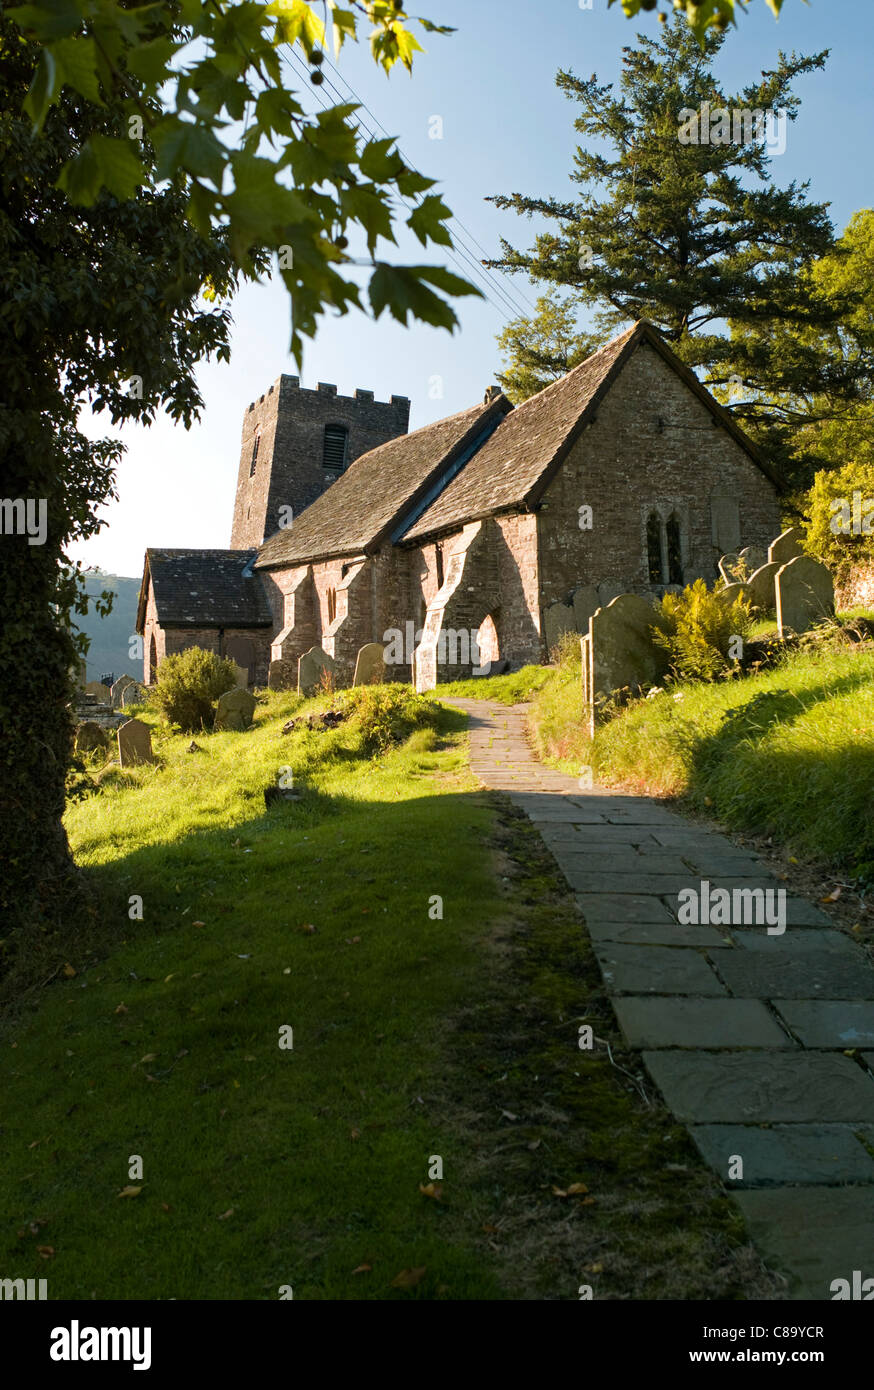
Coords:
414,1036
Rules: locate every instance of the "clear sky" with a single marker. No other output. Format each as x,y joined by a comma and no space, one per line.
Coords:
505,128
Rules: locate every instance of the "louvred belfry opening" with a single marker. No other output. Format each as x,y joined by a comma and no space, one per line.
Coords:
334,453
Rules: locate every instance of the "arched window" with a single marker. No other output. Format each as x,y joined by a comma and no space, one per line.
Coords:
438,563
654,547
255,452
334,449
675,551
332,605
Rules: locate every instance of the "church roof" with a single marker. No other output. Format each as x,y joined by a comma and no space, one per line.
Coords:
203,588
516,464
382,490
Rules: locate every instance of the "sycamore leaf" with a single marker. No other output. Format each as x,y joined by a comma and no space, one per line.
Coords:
427,221
48,22
186,145
151,61
431,1189
69,971
77,63
296,21
363,1269
119,169
130,1191
401,290
409,1278
44,89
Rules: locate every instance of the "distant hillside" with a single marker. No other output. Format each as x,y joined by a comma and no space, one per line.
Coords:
110,636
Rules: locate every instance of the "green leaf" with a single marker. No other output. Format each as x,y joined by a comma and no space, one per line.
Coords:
364,204
80,177
44,89
427,221
401,290
379,161
119,167
48,22
410,182
182,145
343,27
150,62
77,59
295,21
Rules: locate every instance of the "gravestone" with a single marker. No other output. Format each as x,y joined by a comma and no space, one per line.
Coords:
731,592
727,566
586,602
313,666
242,673
101,692
621,647
281,676
133,694
760,586
369,665
753,557
118,689
558,618
134,743
234,710
89,736
610,589
786,546
805,595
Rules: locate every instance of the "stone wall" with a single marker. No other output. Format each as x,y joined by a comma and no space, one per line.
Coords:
625,464
857,590
288,469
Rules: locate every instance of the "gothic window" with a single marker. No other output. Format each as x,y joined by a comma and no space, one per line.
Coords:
654,547
438,559
334,449
675,552
255,452
332,605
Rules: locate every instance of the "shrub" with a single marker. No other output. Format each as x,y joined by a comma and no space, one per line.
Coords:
696,628
830,505
387,714
189,684
567,650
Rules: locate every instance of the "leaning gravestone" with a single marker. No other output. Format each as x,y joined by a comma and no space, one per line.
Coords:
234,710
118,689
312,668
610,589
728,565
134,743
558,618
89,736
787,546
805,595
102,693
586,602
242,676
752,558
133,694
760,586
369,665
622,650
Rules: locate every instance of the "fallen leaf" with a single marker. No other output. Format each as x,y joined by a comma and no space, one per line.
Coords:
576,1188
559,1192
587,1202
507,1116
490,1230
130,1192
198,924
409,1278
122,1009
792,861
149,1057
833,896
165,1206
535,1144
69,971
431,1189
45,1252
167,979
225,1214
593,1269
363,1269
355,1134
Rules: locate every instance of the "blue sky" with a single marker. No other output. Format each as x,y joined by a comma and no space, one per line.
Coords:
505,128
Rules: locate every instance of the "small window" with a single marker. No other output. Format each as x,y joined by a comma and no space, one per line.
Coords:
332,605
438,557
255,452
675,551
334,453
654,547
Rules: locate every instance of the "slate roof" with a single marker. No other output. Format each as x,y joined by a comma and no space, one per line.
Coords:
380,489
514,467
203,588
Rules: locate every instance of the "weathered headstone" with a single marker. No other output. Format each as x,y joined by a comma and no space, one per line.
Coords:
134,743
312,669
234,710
752,557
731,592
101,692
281,676
369,665
623,652
728,565
805,595
760,586
133,694
118,689
242,676
90,736
586,602
558,618
786,546
610,589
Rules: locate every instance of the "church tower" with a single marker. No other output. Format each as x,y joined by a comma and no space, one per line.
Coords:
295,443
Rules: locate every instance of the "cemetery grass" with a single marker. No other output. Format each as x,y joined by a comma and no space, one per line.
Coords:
412,1037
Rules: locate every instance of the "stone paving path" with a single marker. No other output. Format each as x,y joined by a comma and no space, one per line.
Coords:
744,1033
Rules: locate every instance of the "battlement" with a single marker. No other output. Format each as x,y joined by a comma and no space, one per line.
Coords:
286,382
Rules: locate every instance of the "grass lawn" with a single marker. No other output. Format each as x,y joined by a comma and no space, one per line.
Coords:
414,1036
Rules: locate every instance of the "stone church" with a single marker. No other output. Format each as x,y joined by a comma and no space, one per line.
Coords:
502,525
